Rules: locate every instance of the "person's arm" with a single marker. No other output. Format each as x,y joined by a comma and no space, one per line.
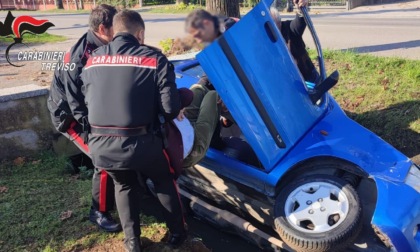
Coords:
204,81
300,3
298,25
169,99
73,85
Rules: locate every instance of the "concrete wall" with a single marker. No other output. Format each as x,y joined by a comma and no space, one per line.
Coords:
25,124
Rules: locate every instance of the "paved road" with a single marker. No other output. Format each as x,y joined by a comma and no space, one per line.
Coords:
158,26
389,32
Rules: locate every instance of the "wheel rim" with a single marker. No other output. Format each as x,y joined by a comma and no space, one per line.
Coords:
316,207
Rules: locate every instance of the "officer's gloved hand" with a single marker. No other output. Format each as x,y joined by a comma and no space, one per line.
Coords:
225,122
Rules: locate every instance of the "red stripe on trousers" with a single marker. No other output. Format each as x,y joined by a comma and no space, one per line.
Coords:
102,191
173,181
169,162
76,137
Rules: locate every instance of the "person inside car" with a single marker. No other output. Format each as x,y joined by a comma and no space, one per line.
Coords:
292,31
190,135
206,28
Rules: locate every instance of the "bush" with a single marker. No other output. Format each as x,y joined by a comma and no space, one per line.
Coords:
178,46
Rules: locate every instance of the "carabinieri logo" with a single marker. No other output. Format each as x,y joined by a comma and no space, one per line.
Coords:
16,27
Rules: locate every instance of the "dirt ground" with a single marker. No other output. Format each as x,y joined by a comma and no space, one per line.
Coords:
201,236
31,72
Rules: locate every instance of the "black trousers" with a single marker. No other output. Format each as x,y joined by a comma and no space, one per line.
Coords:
103,198
128,195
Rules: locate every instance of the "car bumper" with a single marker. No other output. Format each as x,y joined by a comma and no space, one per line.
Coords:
397,215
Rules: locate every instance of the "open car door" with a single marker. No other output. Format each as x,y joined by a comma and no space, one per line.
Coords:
254,74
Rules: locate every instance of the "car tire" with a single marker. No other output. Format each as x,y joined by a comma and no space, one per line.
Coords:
318,213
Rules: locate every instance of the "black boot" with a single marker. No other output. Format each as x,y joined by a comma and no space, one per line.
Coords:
176,240
104,220
132,245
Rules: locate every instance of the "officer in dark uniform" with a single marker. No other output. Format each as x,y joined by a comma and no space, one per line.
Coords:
69,113
127,84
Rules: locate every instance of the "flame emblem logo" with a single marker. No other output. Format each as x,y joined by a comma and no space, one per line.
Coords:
16,27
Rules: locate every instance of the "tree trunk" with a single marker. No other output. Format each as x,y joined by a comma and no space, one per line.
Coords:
182,1
59,4
289,6
229,8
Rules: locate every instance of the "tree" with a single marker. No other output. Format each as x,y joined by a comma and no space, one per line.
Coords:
182,1
229,8
251,3
59,4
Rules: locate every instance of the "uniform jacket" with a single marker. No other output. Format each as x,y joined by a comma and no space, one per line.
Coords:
126,85
66,85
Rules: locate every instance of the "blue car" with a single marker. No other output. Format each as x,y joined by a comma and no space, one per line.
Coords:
319,181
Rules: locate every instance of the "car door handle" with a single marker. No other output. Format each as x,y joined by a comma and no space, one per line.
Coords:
269,29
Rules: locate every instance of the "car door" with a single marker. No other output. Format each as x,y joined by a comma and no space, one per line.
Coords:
254,74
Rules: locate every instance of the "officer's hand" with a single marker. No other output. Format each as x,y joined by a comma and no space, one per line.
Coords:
301,3
181,115
225,122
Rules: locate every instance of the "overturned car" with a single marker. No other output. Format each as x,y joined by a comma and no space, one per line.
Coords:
320,181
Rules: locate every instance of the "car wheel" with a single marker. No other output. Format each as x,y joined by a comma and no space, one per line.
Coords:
318,213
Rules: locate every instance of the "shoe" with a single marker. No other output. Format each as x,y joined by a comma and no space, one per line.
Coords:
104,220
176,240
132,245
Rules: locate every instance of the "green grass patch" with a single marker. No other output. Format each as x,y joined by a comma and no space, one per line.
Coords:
45,208
32,38
34,204
380,93
176,8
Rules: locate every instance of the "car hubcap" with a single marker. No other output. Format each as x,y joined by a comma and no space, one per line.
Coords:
316,207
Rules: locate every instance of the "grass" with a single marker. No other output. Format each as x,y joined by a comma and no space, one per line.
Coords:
41,206
380,93
45,208
176,8
185,9
31,38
